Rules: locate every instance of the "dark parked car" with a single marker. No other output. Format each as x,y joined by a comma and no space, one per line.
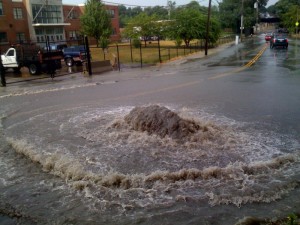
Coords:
279,40
74,55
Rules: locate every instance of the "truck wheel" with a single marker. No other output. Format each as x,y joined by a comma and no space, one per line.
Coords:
69,62
33,69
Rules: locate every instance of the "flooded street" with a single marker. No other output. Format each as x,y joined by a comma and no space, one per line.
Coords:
202,141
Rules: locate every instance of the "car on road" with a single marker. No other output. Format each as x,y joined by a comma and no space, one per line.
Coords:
268,36
279,40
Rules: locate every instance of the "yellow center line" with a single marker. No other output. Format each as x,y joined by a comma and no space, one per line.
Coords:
249,64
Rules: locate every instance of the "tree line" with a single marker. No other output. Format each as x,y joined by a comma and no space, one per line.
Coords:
289,13
182,23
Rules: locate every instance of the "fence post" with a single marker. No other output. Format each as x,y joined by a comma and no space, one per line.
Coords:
118,57
159,55
131,51
2,74
169,53
88,55
141,57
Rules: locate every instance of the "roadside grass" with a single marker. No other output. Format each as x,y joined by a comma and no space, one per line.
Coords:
148,53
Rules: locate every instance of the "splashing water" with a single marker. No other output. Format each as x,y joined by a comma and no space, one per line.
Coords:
151,159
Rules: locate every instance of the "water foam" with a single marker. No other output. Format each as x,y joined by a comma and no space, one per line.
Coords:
32,92
237,183
134,168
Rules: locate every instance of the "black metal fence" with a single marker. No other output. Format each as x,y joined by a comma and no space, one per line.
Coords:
152,52
126,55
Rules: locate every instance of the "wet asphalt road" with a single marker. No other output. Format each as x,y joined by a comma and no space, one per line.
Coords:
248,83
267,91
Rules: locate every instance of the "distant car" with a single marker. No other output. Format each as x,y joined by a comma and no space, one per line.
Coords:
282,30
268,36
279,40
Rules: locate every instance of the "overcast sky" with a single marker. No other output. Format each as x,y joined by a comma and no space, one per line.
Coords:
151,2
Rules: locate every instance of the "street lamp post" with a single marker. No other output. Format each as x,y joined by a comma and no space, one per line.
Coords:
256,6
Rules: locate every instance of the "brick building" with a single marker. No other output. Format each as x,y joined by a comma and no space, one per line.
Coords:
34,20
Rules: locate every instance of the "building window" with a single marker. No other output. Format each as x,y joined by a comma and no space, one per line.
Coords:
73,35
18,14
111,13
73,14
53,33
46,13
3,37
1,8
21,37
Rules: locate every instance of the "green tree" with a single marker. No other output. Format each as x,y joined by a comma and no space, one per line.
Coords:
95,21
190,24
143,26
283,6
123,15
231,11
290,18
160,12
286,10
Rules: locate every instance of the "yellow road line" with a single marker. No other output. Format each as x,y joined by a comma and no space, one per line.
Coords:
249,64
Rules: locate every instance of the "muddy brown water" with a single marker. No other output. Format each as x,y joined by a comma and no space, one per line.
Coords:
142,165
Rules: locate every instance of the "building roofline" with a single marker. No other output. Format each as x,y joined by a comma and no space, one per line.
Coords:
50,24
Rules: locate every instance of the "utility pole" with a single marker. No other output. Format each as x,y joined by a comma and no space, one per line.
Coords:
256,26
242,19
207,27
297,22
169,5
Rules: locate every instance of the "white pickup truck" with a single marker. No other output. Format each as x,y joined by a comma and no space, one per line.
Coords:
32,57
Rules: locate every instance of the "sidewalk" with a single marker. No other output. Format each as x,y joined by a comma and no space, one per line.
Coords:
199,55
13,79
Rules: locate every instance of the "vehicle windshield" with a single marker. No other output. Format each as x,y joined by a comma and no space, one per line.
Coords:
280,35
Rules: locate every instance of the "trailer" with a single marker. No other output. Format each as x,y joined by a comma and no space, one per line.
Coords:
33,57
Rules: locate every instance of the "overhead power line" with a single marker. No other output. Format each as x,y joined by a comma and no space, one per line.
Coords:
145,6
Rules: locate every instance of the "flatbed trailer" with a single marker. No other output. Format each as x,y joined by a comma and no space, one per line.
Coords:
34,58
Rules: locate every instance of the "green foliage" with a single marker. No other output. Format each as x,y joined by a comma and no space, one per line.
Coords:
292,219
95,21
231,11
283,6
136,43
287,11
143,26
186,22
159,11
215,31
104,42
187,25
290,18
178,42
125,14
